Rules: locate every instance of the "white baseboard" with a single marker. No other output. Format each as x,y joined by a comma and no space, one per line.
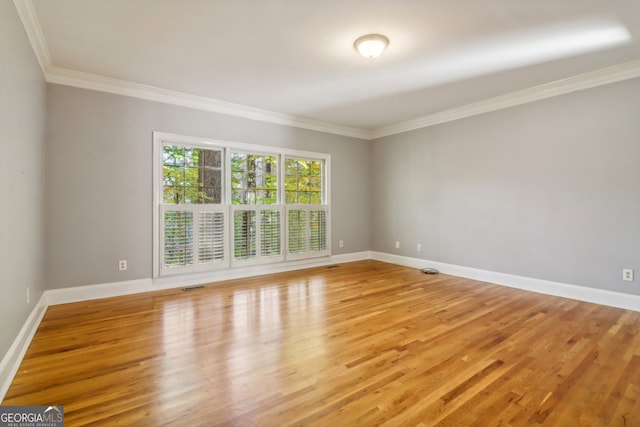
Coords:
104,290
168,282
13,358
580,293
11,361
107,290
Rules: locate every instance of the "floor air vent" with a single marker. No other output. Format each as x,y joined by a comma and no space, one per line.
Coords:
193,288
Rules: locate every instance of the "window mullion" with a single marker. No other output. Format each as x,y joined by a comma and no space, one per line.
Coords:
196,235
227,177
308,230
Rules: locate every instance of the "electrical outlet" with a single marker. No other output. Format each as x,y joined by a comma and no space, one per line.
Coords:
397,244
122,265
627,275
341,243
419,247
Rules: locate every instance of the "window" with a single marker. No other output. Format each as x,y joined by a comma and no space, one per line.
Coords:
191,214
221,204
303,181
306,213
191,175
254,179
255,207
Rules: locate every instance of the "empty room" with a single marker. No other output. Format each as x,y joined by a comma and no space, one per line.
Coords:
303,213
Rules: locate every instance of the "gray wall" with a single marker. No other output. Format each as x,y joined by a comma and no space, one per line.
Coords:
548,190
99,180
22,105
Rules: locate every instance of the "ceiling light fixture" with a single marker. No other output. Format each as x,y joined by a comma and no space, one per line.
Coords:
371,45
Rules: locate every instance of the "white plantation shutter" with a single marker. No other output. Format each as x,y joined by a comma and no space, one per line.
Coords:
318,230
307,231
270,233
244,234
297,231
257,234
193,237
178,238
211,238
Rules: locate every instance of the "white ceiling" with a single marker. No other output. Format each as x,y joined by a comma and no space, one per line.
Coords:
295,58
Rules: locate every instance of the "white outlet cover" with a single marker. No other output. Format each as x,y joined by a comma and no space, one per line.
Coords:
627,274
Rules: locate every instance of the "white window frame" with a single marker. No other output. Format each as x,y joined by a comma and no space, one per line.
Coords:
325,205
161,138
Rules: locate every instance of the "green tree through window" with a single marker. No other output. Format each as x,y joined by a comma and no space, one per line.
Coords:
254,179
191,175
303,182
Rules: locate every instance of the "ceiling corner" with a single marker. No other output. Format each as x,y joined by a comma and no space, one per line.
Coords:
31,24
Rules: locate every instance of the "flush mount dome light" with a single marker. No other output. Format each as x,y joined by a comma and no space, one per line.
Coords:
371,45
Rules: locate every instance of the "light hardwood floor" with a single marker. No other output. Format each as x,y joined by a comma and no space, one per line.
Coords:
359,344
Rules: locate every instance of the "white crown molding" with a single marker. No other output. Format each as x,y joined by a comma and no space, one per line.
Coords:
83,80
67,77
589,80
63,76
31,24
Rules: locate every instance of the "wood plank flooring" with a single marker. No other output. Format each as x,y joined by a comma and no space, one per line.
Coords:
359,344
